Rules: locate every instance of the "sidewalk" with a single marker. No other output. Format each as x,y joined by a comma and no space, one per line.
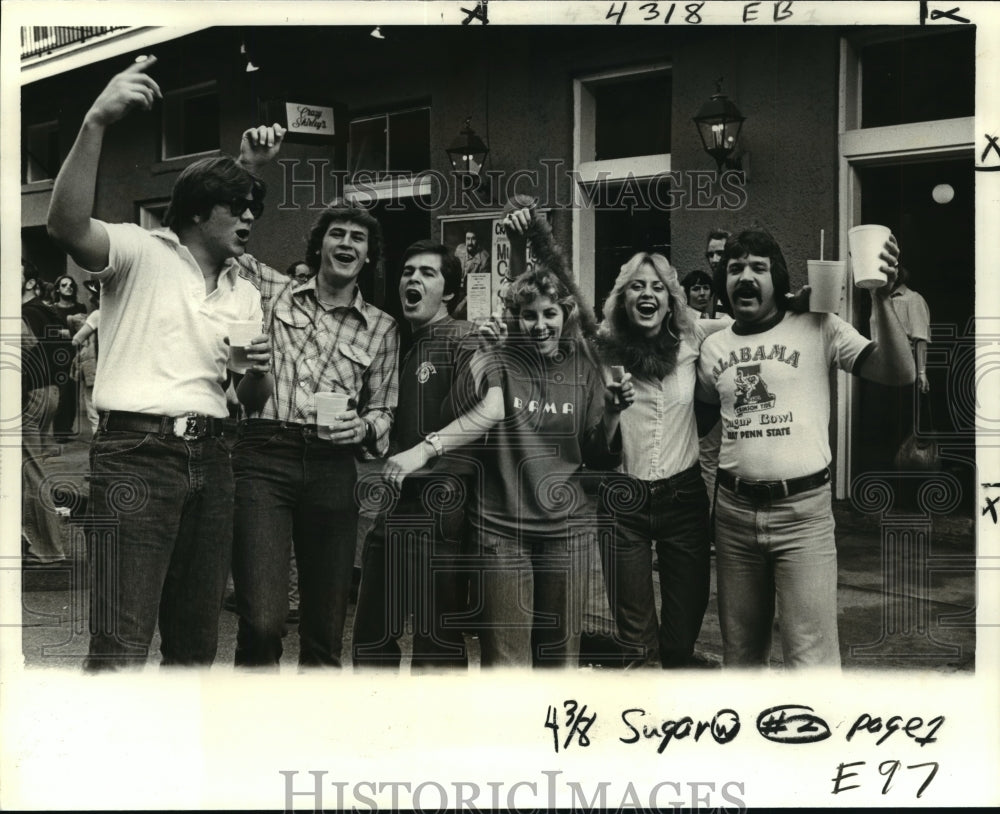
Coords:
906,595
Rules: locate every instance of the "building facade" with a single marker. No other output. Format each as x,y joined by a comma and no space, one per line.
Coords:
844,125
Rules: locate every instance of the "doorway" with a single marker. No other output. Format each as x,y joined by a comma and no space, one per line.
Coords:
404,221
930,208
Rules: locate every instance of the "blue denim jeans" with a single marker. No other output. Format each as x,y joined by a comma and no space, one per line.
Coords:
291,485
778,554
673,514
532,593
410,567
159,539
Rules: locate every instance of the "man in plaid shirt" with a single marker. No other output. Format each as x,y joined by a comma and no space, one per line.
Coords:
292,485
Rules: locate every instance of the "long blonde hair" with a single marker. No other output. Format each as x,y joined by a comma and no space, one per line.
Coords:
620,343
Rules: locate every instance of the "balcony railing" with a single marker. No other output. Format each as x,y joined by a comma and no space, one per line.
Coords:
44,39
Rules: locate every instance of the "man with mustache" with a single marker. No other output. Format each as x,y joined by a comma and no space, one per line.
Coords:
770,372
410,554
161,484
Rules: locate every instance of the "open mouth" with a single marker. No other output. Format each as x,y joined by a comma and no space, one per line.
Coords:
647,309
344,257
747,294
413,296
243,234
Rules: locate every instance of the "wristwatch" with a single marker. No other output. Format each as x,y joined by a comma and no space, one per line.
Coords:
434,440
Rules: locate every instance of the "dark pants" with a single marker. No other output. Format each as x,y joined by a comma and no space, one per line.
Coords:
674,514
66,412
410,567
291,485
159,540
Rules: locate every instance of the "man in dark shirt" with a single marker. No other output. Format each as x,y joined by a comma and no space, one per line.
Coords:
409,556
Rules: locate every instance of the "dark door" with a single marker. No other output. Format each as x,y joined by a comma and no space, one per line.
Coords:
938,249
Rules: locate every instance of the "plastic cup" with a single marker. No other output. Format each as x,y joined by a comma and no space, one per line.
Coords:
241,334
328,407
866,243
826,279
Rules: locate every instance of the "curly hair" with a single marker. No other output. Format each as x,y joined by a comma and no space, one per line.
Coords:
551,277
344,212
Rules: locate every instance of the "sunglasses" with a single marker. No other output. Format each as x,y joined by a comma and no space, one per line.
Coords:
237,206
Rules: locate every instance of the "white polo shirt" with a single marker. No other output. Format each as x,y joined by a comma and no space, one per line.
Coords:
162,348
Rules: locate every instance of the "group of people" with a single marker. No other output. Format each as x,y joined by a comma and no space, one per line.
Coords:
485,432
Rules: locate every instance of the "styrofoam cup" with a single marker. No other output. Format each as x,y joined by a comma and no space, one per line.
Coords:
241,333
328,407
826,279
866,244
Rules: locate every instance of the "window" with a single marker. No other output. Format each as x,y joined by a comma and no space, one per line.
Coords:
621,151
191,120
632,117
151,213
391,143
41,152
918,79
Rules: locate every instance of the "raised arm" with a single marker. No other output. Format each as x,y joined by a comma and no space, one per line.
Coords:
259,145
69,221
891,362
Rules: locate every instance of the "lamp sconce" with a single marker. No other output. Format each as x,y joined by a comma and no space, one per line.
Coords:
719,123
468,152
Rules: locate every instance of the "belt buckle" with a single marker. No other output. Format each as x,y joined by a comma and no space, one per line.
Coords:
191,426
761,492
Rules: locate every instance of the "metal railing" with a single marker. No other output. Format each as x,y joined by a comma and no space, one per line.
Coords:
44,39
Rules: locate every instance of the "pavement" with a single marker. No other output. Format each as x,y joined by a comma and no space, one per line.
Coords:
906,595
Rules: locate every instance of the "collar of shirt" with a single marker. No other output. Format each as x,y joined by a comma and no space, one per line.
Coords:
230,268
306,292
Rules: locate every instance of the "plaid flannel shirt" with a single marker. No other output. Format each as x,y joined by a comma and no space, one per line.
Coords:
349,349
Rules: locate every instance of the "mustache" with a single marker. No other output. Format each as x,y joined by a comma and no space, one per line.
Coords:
746,289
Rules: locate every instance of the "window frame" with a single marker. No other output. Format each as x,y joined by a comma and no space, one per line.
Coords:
176,98
591,172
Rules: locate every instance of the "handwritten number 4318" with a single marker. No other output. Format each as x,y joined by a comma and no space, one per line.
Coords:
576,725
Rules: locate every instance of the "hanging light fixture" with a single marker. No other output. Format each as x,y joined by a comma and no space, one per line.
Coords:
719,123
467,152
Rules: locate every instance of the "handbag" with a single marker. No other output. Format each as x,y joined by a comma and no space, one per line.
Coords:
919,452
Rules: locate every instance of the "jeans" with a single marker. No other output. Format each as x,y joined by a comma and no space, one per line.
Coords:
41,525
778,553
532,593
410,566
674,514
291,485
159,540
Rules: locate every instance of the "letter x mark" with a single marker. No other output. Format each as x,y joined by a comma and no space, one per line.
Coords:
478,13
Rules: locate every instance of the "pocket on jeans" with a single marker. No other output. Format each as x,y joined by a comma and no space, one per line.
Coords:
110,444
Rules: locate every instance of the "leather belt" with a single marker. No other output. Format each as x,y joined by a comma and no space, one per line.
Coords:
190,426
762,491
271,424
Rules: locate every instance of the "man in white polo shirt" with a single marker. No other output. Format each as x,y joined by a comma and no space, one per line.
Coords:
161,478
